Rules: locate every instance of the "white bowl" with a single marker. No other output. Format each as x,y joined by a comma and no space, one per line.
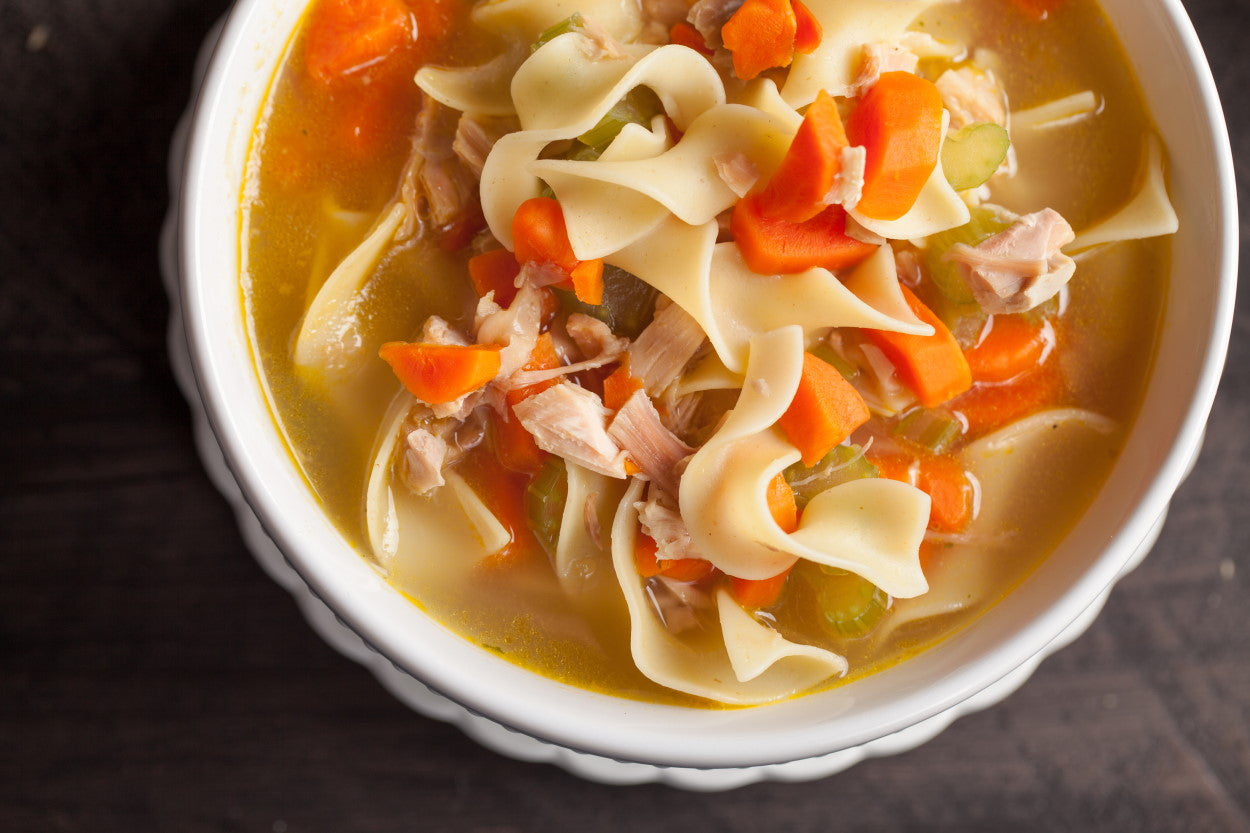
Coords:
616,740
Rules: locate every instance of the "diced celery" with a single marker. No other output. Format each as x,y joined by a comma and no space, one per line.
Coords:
851,605
985,222
841,465
972,154
573,23
544,503
638,106
628,302
826,353
934,429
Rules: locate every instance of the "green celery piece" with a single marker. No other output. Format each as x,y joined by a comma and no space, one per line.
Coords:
638,106
935,429
972,154
851,605
841,465
544,503
628,303
573,23
985,223
827,354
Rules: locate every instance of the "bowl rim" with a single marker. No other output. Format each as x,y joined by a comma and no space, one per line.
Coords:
639,741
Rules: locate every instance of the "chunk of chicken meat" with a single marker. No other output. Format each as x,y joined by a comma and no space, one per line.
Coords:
571,422
1020,267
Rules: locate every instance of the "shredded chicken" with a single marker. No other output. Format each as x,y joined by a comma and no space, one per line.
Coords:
594,338
475,136
848,183
590,518
1021,267
708,16
516,327
676,603
737,171
654,449
424,455
666,528
680,413
664,348
435,184
879,58
600,45
436,330
571,422
972,96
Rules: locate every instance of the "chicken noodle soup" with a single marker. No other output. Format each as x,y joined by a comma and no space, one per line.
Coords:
705,353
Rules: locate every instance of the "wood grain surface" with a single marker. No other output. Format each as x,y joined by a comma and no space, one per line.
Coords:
152,678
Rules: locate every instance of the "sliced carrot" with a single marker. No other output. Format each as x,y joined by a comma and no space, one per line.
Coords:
349,36
899,124
495,271
619,386
990,406
540,236
587,279
683,34
825,410
1013,346
797,190
440,373
757,593
808,31
933,367
678,569
942,478
781,503
515,446
776,247
760,35
504,492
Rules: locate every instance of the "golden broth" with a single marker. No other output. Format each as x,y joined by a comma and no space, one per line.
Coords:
309,206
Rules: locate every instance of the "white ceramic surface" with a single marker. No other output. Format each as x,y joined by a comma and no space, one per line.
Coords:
617,741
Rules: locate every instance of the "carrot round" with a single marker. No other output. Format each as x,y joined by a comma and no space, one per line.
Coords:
933,367
808,31
824,411
619,386
899,124
942,478
587,280
440,373
1013,346
757,593
797,189
348,36
773,246
990,406
760,35
540,236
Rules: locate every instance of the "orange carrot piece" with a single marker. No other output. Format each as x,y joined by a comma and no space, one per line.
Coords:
495,271
808,31
540,236
619,386
899,124
757,593
933,367
504,492
439,373
825,410
781,503
760,35
515,446
797,189
683,34
1012,347
776,247
587,278
991,406
678,569
348,36
942,478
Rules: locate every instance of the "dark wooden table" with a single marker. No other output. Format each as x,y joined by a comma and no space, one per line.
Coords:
152,678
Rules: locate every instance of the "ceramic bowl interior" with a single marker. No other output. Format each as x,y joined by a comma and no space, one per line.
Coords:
1172,71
